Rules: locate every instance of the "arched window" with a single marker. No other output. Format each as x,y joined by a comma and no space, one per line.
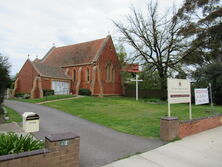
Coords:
113,74
108,72
74,75
88,74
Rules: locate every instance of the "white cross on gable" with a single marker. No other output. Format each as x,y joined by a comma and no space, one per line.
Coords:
137,84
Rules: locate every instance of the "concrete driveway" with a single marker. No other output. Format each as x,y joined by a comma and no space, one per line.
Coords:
98,145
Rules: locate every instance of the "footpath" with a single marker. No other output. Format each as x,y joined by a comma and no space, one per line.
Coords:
49,101
200,150
12,127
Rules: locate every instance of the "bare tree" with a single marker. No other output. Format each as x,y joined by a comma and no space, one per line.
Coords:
155,40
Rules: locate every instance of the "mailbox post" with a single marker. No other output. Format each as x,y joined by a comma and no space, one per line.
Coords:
30,122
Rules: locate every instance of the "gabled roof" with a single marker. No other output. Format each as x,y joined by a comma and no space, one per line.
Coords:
50,71
77,54
71,55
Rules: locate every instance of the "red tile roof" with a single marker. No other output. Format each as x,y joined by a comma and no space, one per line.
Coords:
82,53
131,68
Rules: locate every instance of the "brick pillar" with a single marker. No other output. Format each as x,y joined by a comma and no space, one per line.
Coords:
64,148
169,128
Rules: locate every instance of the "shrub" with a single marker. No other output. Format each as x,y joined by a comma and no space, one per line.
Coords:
26,96
1,110
22,95
48,92
152,100
19,95
84,91
11,143
1,98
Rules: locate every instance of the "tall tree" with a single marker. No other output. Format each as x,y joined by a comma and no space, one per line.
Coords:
155,40
121,53
210,73
203,26
4,75
123,59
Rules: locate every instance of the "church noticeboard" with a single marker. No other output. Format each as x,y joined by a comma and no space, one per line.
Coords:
201,96
178,91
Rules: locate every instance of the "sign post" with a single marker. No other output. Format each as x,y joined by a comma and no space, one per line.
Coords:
179,92
137,85
211,96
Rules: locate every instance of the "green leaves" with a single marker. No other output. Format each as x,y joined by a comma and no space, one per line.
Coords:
11,143
4,75
211,73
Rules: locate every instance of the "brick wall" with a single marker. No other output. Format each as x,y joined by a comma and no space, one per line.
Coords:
61,150
108,87
171,127
109,56
26,77
46,83
195,126
84,83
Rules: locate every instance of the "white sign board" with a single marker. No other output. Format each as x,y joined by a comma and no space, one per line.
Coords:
201,96
178,91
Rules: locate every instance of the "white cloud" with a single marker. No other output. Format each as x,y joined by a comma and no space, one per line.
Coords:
31,27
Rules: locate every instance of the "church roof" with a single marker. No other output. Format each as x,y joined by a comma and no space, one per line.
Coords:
50,71
77,54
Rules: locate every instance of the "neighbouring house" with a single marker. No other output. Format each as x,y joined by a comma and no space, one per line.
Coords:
131,68
92,65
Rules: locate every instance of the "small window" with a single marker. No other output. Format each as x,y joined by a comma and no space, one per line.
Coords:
88,74
74,75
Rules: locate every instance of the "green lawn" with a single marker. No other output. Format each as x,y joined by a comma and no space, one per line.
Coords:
127,115
13,115
48,98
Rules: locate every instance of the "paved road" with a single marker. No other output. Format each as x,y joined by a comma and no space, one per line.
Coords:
98,145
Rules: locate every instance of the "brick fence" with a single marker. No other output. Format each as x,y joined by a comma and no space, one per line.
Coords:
61,150
187,128
170,127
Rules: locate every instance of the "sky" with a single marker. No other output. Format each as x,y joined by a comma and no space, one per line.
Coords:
32,26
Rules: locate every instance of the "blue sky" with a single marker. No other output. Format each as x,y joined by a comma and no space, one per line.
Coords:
32,26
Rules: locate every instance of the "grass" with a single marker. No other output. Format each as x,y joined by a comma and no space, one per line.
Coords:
13,115
127,115
48,98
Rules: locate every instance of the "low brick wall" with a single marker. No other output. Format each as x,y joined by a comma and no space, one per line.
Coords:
61,150
187,128
171,127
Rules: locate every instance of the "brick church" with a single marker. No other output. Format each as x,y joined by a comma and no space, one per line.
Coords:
93,65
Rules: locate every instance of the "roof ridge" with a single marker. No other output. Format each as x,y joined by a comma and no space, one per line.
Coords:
100,50
79,53
34,66
80,43
47,54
